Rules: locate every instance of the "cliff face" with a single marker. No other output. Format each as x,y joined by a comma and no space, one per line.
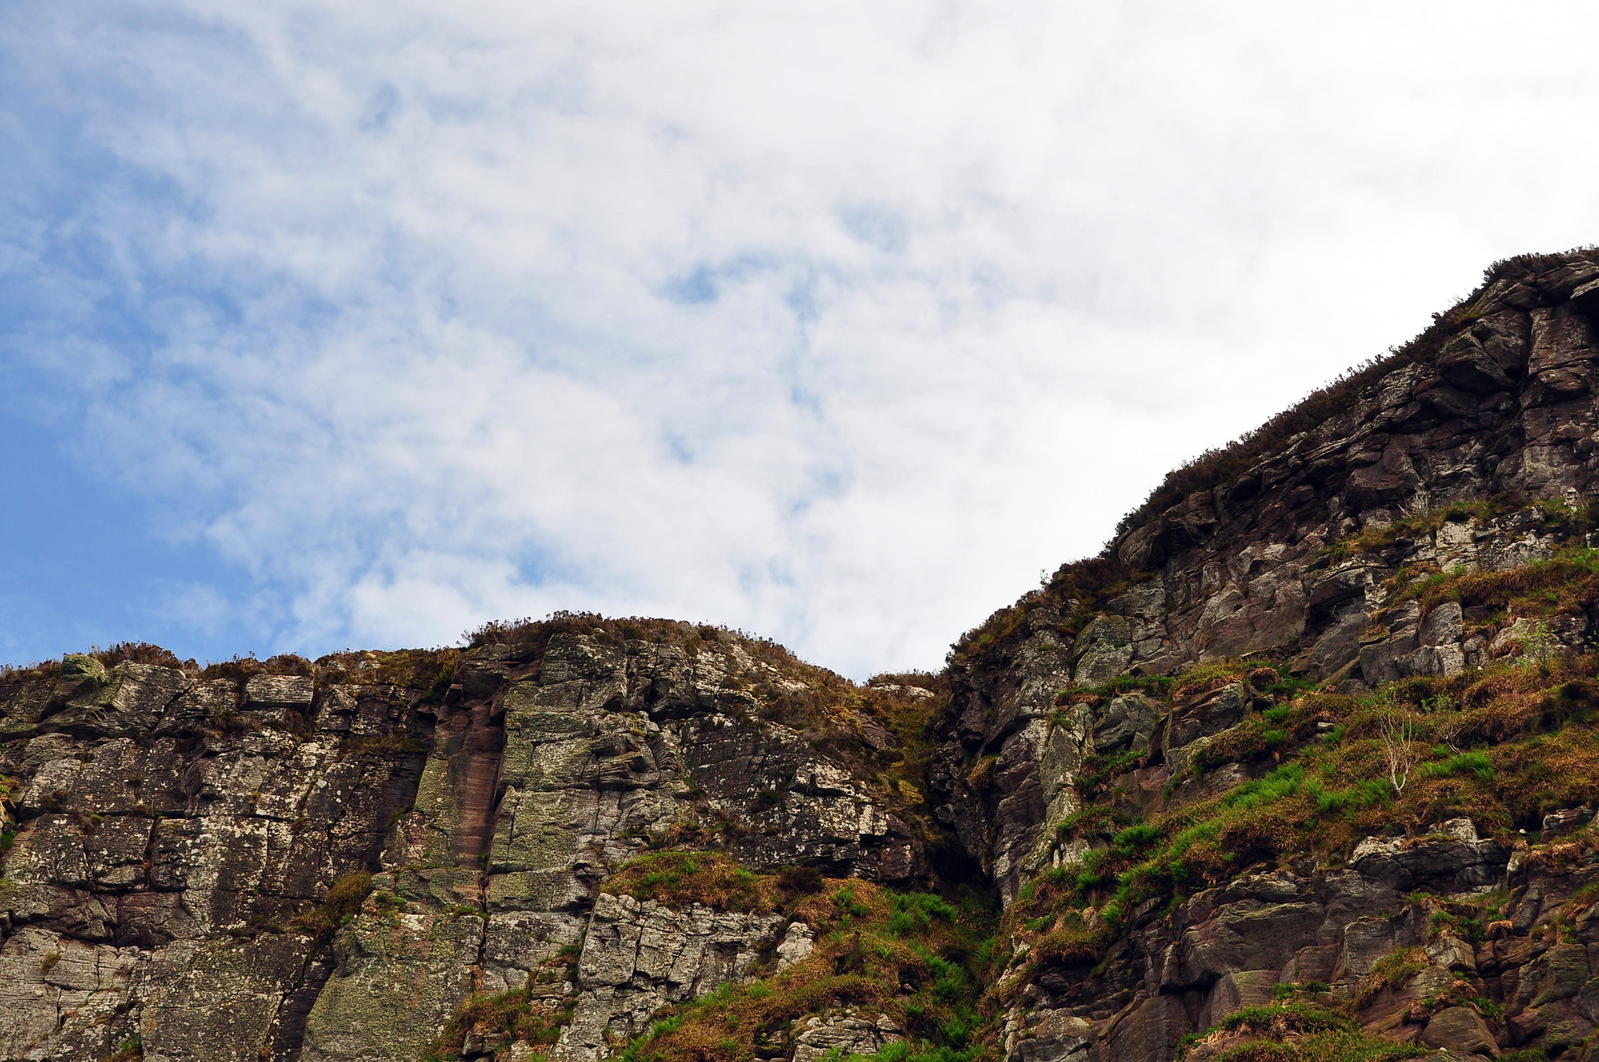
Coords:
1301,768
1293,550
327,865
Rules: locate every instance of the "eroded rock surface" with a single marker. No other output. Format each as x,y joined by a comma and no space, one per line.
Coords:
1497,402
177,839
1304,767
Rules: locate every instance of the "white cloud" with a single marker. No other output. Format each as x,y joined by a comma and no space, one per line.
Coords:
837,322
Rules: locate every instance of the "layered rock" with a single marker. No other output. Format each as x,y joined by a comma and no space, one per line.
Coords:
639,957
181,843
1303,767
1343,554
1491,947
1496,401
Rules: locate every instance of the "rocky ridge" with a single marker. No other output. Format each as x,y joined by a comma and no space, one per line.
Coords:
1302,767
326,865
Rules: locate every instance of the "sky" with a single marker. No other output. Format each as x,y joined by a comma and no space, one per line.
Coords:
357,324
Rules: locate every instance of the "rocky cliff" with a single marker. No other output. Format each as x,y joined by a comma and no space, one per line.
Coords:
1301,768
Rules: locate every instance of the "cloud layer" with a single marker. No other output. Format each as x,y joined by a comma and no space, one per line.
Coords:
836,322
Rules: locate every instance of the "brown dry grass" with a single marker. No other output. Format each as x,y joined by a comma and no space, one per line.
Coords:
679,879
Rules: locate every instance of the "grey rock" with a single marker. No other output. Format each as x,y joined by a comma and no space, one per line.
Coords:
1102,651
639,956
843,1033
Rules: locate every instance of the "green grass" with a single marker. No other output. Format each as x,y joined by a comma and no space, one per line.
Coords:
1292,1016
903,1052
1297,1031
1494,745
919,958
1282,782
915,911
1477,764
1366,793
1135,838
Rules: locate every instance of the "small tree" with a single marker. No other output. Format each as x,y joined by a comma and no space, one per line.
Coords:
1398,734
1538,647
1447,724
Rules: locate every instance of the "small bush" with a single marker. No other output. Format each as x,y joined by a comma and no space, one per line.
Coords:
1391,971
798,881
1135,838
679,879
1072,945
913,911
508,1017
846,903
130,1050
344,898
1283,1018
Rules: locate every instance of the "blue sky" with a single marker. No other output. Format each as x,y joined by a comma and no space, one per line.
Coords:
358,324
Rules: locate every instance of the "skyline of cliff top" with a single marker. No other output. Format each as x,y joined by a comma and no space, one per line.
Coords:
357,325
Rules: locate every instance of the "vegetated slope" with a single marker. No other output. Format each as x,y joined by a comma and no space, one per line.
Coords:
1301,768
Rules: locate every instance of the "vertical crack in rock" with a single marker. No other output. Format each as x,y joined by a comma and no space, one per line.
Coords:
482,744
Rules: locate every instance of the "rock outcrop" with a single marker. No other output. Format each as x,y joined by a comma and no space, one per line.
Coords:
326,865
1472,448
1303,767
